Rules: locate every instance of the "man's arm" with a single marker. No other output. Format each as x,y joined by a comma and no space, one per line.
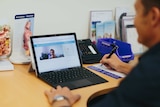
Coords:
115,63
139,89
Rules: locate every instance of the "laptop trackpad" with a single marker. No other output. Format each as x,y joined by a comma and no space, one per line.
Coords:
81,83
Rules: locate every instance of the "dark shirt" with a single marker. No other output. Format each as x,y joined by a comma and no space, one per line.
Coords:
141,88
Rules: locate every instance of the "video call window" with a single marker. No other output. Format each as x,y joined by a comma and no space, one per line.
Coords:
51,52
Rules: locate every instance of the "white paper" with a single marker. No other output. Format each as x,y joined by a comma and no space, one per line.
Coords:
132,37
6,65
108,70
128,21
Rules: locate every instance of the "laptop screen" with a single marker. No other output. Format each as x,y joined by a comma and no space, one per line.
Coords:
55,52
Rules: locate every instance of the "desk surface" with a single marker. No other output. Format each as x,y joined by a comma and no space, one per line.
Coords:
20,88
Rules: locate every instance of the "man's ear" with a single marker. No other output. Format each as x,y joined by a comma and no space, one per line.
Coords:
155,16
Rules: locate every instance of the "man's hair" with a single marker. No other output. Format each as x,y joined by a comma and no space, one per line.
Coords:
52,50
148,4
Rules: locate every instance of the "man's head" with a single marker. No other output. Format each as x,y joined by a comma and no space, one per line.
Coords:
147,21
52,51
148,4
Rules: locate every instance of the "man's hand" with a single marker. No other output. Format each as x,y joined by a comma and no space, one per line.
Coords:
115,63
64,91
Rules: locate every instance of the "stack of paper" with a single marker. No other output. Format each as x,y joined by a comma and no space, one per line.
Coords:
6,65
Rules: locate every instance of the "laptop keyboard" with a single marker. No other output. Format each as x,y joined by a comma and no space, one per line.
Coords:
66,75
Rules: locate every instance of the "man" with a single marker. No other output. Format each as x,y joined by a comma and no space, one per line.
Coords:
141,87
52,54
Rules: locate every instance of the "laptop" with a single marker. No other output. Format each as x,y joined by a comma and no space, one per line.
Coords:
57,61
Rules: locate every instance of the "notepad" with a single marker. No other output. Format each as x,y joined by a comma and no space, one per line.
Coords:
6,65
102,69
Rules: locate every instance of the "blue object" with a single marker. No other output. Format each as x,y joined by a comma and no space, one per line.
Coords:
104,72
124,51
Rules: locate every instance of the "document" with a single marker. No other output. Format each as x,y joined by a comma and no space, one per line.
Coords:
109,29
102,69
98,16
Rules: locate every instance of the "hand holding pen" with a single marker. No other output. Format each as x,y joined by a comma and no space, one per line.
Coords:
111,53
115,63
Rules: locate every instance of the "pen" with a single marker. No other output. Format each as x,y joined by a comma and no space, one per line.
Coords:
112,51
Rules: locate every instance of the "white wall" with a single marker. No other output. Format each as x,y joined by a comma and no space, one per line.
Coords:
58,16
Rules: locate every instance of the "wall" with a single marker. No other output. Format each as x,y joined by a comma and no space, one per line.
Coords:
58,16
